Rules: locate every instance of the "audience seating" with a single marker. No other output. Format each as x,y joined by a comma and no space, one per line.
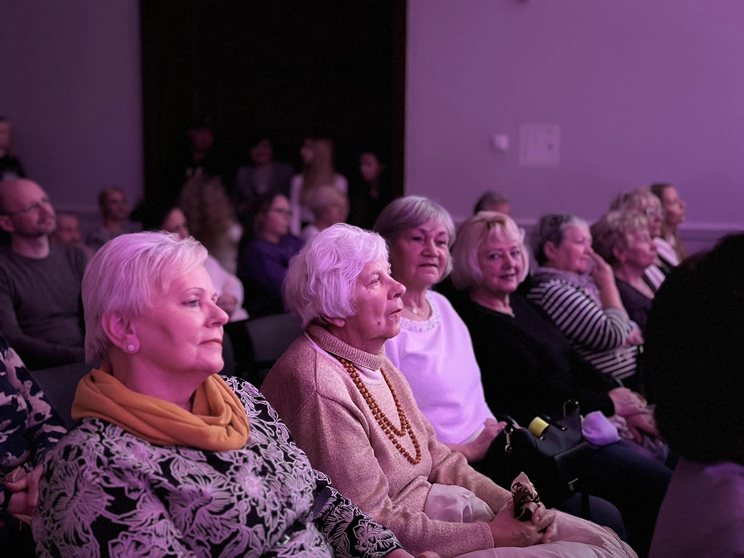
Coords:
59,385
269,337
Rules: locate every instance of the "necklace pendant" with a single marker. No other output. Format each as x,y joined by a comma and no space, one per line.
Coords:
415,310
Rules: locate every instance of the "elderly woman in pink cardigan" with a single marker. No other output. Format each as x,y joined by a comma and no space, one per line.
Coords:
353,413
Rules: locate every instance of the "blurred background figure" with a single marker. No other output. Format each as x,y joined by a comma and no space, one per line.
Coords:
622,239
211,218
266,175
493,201
646,203
201,157
10,166
329,206
113,205
367,196
265,251
40,281
318,170
228,287
674,215
693,362
68,232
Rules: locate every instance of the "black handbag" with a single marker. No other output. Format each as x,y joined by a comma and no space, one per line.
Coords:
552,459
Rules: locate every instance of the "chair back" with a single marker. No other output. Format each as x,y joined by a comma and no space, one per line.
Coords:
59,385
270,336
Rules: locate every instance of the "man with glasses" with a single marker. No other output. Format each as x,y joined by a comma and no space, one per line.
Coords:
40,282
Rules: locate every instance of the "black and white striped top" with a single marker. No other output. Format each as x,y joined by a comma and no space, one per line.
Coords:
597,334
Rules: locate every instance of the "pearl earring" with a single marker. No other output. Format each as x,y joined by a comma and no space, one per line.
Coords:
130,348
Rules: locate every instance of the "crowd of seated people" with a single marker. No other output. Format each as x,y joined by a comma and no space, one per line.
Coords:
398,391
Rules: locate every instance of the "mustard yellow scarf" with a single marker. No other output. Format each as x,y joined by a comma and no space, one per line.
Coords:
217,423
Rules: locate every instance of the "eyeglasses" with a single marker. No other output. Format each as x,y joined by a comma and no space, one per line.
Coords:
32,206
651,211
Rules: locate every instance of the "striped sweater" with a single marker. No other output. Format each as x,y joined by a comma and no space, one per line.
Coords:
597,334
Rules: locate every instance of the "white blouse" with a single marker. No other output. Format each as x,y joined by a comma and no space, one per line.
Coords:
437,359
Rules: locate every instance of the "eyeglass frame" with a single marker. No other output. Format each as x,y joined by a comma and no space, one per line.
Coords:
30,207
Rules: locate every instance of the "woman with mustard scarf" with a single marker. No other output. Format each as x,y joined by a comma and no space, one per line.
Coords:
168,457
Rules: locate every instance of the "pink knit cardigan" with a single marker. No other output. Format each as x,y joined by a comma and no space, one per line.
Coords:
330,420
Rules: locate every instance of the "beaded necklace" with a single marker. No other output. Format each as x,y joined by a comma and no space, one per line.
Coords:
385,423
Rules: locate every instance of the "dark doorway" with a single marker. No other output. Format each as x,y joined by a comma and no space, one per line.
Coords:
282,70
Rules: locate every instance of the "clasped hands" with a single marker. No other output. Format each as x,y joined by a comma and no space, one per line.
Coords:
633,408
24,494
508,531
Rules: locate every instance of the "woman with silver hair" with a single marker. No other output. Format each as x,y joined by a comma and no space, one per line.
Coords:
622,239
354,415
168,457
529,368
577,289
433,349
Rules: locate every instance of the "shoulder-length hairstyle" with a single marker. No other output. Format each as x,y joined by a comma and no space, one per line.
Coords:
552,228
612,230
320,171
411,212
322,277
485,225
666,231
208,210
124,277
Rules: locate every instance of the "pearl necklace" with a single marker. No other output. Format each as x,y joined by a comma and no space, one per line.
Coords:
385,423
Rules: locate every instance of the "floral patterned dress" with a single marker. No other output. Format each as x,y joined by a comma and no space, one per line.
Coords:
105,492
29,427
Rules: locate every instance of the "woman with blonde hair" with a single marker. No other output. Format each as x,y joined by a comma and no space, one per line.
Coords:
645,202
529,368
318,170
622,239
211,218
674,215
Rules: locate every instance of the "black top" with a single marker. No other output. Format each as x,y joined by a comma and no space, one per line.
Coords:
10,167
637,304
528,366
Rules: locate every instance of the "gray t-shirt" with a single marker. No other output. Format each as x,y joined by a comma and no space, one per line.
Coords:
40,305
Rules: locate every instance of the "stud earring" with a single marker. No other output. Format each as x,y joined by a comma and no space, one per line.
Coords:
130,348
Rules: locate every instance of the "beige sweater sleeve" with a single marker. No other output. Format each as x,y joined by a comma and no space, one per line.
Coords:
336,439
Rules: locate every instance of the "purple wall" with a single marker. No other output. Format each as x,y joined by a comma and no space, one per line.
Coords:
643,91
71,86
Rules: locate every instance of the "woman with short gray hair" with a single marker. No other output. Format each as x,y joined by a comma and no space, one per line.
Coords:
576,288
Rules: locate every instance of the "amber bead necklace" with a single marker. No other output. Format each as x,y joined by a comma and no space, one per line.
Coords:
385,423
